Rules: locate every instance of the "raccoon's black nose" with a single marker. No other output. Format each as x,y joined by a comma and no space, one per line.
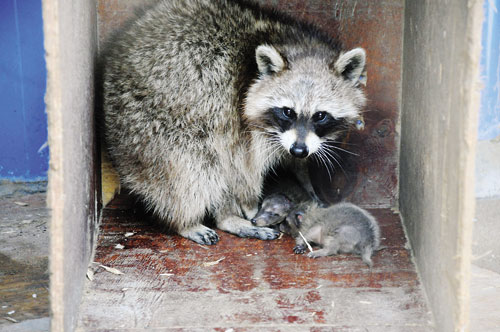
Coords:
253,221
299,150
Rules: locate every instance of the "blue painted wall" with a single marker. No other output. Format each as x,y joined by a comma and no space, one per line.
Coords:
23,122
489,117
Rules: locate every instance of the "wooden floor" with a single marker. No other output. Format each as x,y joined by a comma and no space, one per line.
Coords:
170,283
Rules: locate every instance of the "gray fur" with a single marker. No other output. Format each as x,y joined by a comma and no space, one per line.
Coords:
273,210
340,228
186,91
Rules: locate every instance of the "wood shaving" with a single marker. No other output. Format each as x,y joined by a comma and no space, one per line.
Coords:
279,237
128,234
119,246
90,274
207,264
21,203
204,247
365,302
11,312
475,258
307,243
167,274
111,269
10,319
395,211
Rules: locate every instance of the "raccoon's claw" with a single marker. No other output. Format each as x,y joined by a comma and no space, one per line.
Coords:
313,254
262,233
209,237
318,253
299,249
201,234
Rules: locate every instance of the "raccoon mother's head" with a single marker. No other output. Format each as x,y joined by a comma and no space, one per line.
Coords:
304,98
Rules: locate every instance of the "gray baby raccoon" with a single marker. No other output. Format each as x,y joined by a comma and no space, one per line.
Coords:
202,98
274,210
282,195
340,228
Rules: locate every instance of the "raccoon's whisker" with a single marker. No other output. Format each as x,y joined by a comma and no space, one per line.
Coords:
332,155
267,134
269,137
339,148
331,152
271,148
319,157
271,157
264,129
268,150
326,161
329,140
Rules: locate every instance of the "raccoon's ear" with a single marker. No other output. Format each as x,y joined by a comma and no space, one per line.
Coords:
269,61
351,66
299,216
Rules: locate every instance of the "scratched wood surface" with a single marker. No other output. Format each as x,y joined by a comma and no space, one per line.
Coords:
170,283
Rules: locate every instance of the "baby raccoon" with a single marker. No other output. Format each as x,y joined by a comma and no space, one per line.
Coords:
274,210
202,98
340,228
283,193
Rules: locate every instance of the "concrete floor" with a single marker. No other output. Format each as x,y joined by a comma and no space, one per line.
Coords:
485,278
24,250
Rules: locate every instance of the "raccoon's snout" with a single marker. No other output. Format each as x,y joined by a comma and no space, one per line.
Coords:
299,150
253,221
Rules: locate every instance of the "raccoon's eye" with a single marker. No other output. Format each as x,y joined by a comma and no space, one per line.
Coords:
288,112
319,116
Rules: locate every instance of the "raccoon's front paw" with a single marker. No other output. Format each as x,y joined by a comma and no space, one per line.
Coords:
313,254
262,233
318,253
242,228
299,249
200,234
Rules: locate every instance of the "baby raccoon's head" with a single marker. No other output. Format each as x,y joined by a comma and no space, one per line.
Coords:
274,210
304,98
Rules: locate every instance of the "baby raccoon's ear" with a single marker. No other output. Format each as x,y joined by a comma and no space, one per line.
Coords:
351,66
299,216
269,61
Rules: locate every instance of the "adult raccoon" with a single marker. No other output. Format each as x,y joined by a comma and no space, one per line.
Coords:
201,98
